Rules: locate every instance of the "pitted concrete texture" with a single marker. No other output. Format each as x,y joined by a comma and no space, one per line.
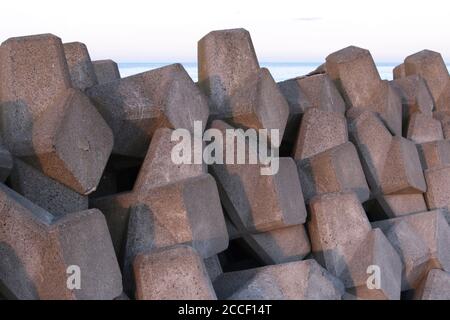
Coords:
301,280
436,286
80,65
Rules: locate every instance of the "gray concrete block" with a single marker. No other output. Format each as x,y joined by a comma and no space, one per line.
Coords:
80,66
106,71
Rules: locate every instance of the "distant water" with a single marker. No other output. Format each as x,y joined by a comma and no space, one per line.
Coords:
279,70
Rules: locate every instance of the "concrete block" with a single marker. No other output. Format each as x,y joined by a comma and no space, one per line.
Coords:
436,286
71,142
355,75
176,273
106,71
322,93
399,71
444,118
226,58
37,250
45,192
334,170
213,267
373,141
423,128
432,228
396,205
258,104
431,67
320,131
33,71
434,154
438,192
184,212
80,66
301,280
415,96
134,107
402,173
6,163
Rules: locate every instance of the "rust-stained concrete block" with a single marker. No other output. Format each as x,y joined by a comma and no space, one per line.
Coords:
71,142
336,169
134,107
423,128
80,66
33,71
301,280
45,192
399,71
319,131
444,118
176,273
438,188
106,71
434,154
396,205
38,249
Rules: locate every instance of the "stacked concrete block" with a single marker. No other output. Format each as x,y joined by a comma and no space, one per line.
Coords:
80,65
434,154
436,286
344,243
6,163
40,252
438,192
423,128
355,75
319,131
399,71
106,71
49,124
421,240
45,192
431,67
444,118
334,170
134,107
301,280
239,91
175,273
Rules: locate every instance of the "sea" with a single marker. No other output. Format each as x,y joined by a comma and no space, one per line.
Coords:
279,70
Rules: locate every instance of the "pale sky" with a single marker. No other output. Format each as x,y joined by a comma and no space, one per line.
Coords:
282,30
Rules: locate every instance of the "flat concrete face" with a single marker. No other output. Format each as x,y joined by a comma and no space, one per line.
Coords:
336,219
423,128
435,286
33,71
438,189
373,141
158,168
402,173
431,67
322,93
176,273
354,72
334,170
71,142
258,103
226,58
320,131
6,163
399,71
280,245
134,107
301,280
396,205
434,154
85,242
44,191
38,249
80,66
432,228
106,71
444,118
414,94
